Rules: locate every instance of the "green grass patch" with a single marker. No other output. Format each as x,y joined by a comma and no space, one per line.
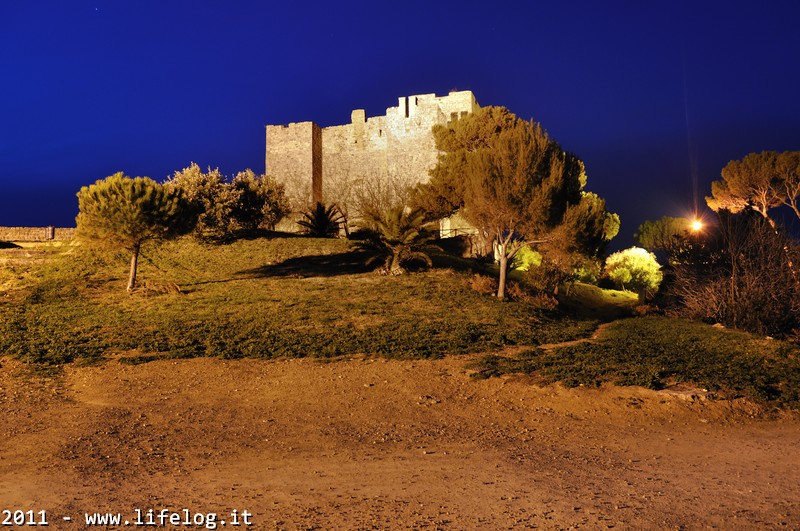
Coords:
260,298
589,301
654,352
302,297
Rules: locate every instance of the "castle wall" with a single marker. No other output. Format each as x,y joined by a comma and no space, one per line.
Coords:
354,157
458,104
381,155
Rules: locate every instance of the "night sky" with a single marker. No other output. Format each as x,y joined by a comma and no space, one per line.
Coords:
651,95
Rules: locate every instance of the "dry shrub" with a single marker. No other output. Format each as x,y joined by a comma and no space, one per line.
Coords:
483,284
149,288
518,292
514,291
646,309
749,280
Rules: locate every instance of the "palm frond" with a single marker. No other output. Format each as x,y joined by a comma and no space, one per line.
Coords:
397,235
322,221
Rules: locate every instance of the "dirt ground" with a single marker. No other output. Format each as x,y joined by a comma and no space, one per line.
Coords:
377,444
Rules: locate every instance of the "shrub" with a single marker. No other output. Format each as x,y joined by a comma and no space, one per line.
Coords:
247,203
743,277
634,268
517,291
262,201
549,275
525,259
483,284
210,197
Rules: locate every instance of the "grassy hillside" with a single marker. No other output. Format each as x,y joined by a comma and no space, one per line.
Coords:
655,352
260,298
593,302
301,297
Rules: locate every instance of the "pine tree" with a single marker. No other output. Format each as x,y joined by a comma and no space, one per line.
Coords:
761,182
121,211
514,184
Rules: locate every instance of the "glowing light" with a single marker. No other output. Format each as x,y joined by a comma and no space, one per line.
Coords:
697,225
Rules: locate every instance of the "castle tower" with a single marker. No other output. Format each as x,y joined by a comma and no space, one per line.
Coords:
375,155
294,158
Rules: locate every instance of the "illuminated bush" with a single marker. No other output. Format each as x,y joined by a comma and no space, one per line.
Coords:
525,259
634,269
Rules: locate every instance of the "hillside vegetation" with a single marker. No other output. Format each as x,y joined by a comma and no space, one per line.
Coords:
304,297
260,298
656,352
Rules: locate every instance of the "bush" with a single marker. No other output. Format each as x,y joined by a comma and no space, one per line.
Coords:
262,203
550,275
655,352
248,203
525,259
636,269
210,197
517,291
232,305
483,284
743,276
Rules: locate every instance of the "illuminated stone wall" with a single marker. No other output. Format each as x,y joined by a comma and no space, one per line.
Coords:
35,234
382,152
294,157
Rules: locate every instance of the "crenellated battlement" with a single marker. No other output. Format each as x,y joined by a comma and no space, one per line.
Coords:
333,164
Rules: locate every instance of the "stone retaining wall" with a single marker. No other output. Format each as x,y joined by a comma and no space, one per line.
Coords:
35,234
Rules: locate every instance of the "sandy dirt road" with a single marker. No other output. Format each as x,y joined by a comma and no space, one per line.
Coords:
381,444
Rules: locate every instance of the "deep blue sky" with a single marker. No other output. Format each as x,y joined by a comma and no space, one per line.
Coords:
146,87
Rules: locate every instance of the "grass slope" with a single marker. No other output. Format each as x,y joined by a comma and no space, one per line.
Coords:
260,298
301,297
655,352
593,302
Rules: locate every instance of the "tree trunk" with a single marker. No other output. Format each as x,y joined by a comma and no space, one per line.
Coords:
501,285
395,268
134,265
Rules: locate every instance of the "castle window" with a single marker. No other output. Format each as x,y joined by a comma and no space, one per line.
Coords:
453,116
464,113
380,132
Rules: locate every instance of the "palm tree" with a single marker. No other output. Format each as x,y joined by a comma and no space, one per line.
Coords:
397,234
322,221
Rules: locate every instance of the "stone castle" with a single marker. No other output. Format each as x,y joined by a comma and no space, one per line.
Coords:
381,154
